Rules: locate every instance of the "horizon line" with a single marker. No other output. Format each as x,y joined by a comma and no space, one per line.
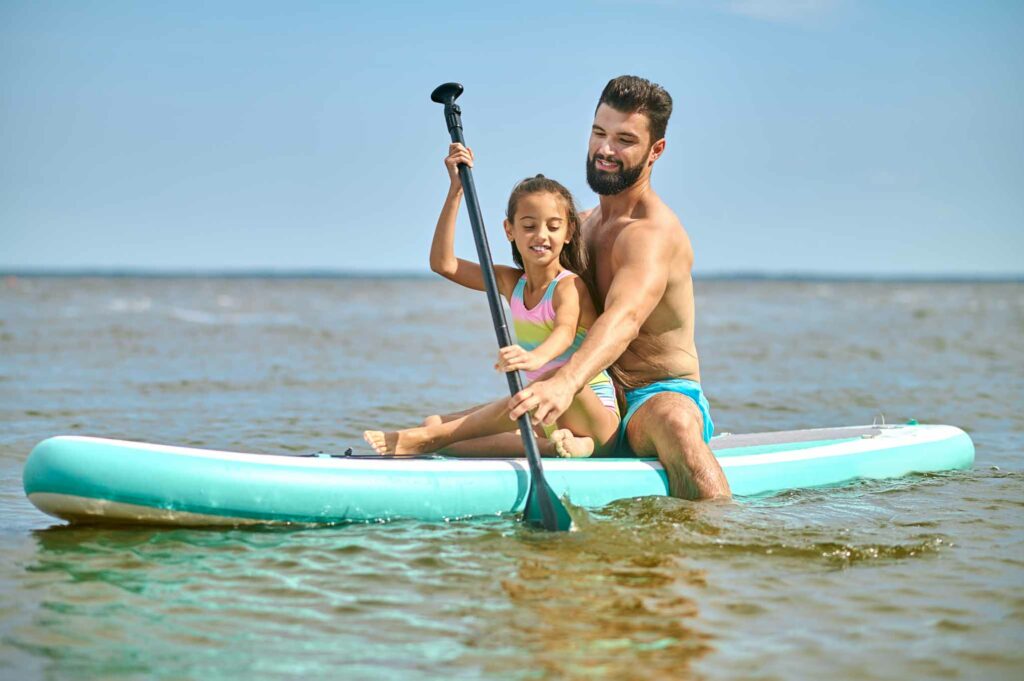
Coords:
325,273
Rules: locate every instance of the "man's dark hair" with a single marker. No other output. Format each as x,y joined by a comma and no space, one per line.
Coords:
632,94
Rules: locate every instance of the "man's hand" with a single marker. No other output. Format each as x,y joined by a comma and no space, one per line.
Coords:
515,358
547,399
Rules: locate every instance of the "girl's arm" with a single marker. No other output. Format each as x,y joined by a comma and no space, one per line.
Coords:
442,250
566,302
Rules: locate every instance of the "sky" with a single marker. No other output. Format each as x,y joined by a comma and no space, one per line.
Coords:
835,137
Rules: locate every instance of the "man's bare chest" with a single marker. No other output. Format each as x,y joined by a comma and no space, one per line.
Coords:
601,244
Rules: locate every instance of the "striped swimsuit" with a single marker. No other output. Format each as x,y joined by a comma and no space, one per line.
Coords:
532,327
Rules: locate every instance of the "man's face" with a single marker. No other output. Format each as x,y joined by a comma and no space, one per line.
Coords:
619,150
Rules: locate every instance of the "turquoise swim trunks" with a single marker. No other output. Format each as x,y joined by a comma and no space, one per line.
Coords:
683,386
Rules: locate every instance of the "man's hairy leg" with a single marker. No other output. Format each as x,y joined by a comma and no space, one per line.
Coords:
670,426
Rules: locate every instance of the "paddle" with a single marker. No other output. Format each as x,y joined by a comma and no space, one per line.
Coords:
541,502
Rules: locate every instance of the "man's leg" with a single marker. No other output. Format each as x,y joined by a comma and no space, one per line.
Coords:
670,426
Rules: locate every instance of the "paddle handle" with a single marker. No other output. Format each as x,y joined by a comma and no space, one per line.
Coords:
483,250
453,118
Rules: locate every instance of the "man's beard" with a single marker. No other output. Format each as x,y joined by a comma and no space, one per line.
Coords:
607,184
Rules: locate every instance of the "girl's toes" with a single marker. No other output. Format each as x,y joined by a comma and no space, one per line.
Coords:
568,445
375,439
558,438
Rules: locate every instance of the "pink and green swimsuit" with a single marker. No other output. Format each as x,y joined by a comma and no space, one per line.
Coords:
533,326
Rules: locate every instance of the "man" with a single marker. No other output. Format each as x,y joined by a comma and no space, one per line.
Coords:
640,263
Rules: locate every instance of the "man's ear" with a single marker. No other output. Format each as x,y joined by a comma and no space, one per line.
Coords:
657,149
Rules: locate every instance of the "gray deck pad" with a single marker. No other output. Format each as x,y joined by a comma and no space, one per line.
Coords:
782,437
723,442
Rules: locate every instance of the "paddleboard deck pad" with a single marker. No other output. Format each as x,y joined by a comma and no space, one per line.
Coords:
96,480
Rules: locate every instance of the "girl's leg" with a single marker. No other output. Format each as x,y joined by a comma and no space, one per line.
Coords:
504,445
434,419
587,428
490,419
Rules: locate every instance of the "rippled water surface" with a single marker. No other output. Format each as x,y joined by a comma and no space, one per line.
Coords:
916,578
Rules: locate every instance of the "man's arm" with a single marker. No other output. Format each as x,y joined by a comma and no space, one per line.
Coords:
642,257
641,277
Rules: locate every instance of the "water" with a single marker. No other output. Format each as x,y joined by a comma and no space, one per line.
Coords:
915,578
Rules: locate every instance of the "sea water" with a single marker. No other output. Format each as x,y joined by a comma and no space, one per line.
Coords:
914,578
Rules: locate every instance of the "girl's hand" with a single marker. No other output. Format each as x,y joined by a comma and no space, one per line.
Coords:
515,358
457,154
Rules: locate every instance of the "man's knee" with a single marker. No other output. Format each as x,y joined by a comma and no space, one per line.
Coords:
677,417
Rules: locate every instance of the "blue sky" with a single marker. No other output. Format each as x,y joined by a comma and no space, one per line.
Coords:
816,136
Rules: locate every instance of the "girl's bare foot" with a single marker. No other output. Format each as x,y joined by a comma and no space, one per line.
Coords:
408,441
568,445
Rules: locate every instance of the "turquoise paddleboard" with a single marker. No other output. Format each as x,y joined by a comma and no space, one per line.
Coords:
94,480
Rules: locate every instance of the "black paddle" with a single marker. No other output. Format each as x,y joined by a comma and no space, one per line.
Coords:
541,502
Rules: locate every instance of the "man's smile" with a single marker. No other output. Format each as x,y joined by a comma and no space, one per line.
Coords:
606,165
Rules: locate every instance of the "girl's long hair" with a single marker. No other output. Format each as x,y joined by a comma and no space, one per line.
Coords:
572,257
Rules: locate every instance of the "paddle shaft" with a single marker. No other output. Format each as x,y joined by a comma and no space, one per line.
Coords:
453,117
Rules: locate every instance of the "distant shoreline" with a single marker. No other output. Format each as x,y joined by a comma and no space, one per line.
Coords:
115,273
99,273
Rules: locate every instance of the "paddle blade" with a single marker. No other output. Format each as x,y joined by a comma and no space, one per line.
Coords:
560,521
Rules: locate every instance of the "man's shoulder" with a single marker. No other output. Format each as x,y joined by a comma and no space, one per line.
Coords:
654,227
657,215
659,224
658,233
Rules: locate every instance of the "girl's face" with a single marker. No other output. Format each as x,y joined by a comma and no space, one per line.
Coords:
540,228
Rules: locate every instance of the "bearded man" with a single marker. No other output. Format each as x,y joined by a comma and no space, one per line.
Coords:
639,268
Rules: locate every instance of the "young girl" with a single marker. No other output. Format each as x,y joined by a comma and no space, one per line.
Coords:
551,311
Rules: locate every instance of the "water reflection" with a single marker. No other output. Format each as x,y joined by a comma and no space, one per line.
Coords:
613,601
618,596
627,596
381,600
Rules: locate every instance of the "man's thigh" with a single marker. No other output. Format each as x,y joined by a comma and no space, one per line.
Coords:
666,419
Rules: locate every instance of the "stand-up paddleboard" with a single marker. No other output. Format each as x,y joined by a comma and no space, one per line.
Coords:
93,480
